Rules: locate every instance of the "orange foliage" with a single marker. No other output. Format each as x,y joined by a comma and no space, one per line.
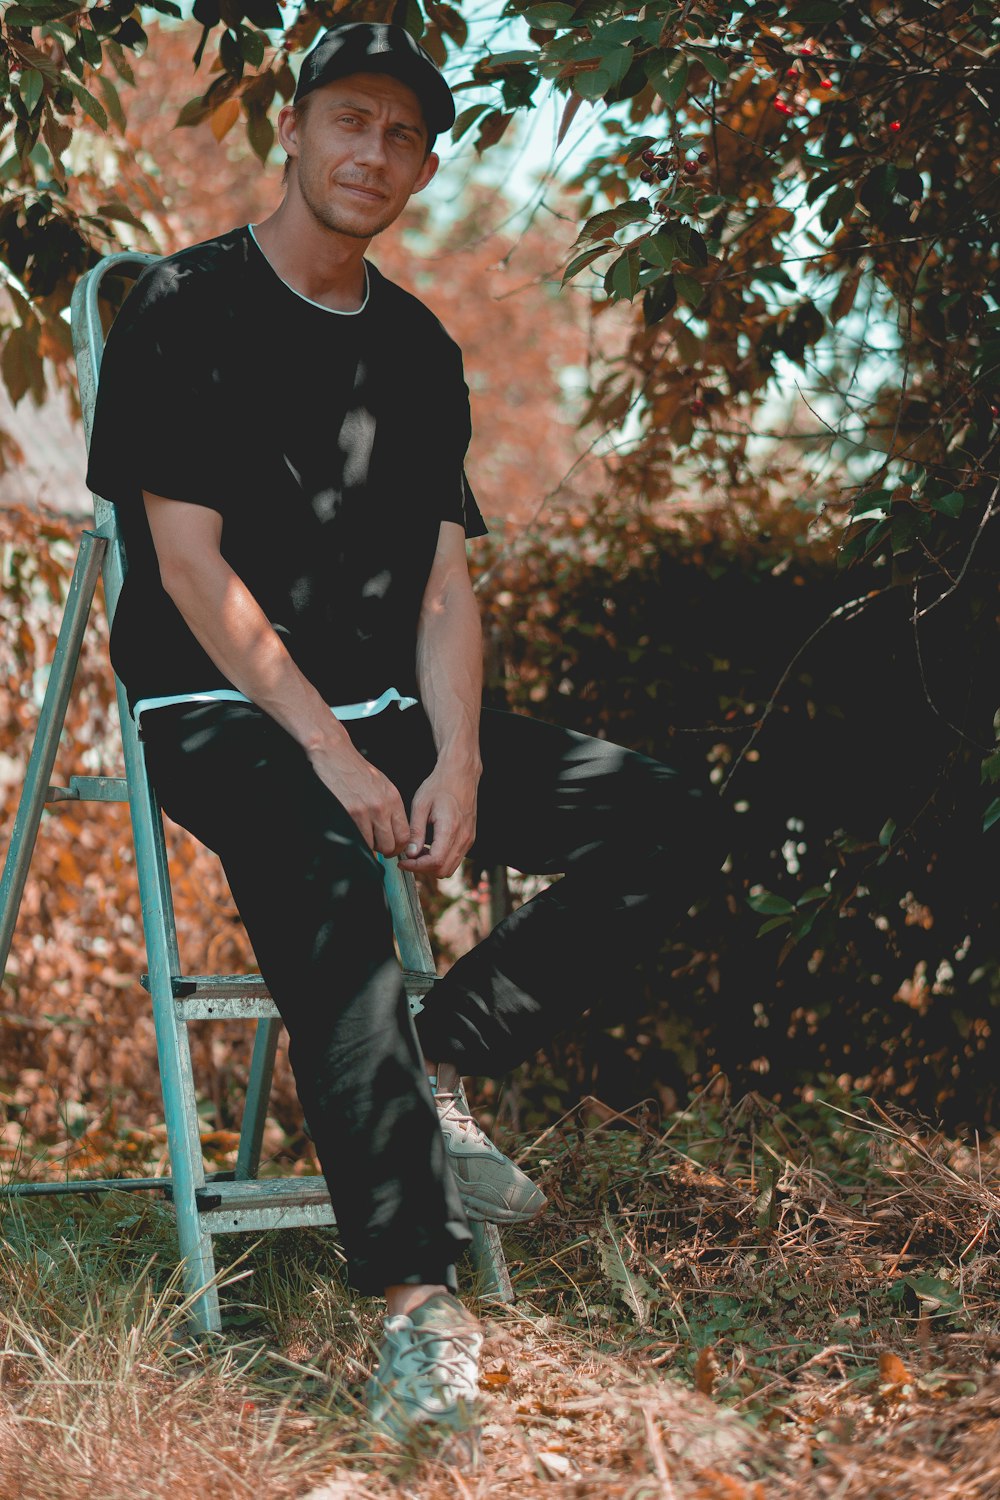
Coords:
78,1051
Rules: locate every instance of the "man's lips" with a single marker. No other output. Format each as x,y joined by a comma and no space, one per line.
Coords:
363,192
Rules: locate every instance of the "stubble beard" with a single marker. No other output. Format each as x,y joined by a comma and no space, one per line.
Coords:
327,215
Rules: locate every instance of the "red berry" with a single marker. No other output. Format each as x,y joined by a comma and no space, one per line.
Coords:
790,72
691,167
662,173
895,127
697,408
782,107
703,157
995,411
807,50
649,157
645,175
826,83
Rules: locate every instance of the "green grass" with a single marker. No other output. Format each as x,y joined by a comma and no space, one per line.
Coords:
711,1300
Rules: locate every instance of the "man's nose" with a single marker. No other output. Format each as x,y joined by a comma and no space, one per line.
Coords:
370,150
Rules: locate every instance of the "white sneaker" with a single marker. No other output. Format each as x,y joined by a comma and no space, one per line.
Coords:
427,1381
492,1187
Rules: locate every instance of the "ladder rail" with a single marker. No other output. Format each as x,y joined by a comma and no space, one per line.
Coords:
55,702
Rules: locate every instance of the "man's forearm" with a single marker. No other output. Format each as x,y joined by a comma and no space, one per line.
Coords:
450,673
233,630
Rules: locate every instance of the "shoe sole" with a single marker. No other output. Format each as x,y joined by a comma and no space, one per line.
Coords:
486,1212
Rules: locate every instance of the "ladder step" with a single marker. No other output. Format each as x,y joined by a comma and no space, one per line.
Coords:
245,997
271,1203
90,789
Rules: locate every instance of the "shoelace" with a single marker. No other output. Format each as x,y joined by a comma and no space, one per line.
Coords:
455,1365
462,1118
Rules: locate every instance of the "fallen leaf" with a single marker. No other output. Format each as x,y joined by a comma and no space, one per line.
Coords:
555,1465
892,1371
706,1371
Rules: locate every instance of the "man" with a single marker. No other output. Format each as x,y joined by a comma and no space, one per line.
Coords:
283,432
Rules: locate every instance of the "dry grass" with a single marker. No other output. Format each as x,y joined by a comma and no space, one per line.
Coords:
737,1304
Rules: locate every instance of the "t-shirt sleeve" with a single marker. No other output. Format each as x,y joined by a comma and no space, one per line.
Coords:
452,424
471,517
156,424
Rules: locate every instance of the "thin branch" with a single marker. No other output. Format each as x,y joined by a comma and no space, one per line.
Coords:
988,514
848,611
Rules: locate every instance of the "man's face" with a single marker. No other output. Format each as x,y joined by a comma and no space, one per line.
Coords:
359,152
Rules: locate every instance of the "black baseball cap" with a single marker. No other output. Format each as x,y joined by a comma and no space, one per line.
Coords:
379,47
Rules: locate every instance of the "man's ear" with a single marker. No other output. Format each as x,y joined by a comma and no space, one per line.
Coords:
288,130
427,171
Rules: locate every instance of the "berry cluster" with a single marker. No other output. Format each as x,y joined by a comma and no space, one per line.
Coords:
658,166
800,96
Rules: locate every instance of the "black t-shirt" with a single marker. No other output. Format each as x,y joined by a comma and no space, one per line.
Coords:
331,444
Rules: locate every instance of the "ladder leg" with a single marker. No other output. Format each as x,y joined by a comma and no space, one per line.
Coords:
415,952
50,724
180,1103
490,1263
265,1046
180,1112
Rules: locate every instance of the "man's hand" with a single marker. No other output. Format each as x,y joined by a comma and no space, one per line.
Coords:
445,803
369,797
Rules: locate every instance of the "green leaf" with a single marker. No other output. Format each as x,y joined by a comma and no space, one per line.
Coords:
878,187
131,35
935,1289
90,45
609,220
773,276
593,85
413,19
260,134
264,14
624,276
27,14
492,129
991,815
120,212
671,88
252,47
837,207
112,100
660,249
229,52
766,901
466,120
658,300
550,16
86,101
951,504
692,291
712,64
990,769
31,85
771,924
580,261
887,831
193,112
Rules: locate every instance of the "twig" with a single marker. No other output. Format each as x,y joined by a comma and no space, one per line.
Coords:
846,611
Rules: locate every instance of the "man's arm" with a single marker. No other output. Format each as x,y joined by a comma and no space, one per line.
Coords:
450,683
231,627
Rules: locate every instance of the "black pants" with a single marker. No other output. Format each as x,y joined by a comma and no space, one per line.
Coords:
637,845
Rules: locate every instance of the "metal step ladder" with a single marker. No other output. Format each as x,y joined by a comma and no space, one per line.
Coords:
205,1204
